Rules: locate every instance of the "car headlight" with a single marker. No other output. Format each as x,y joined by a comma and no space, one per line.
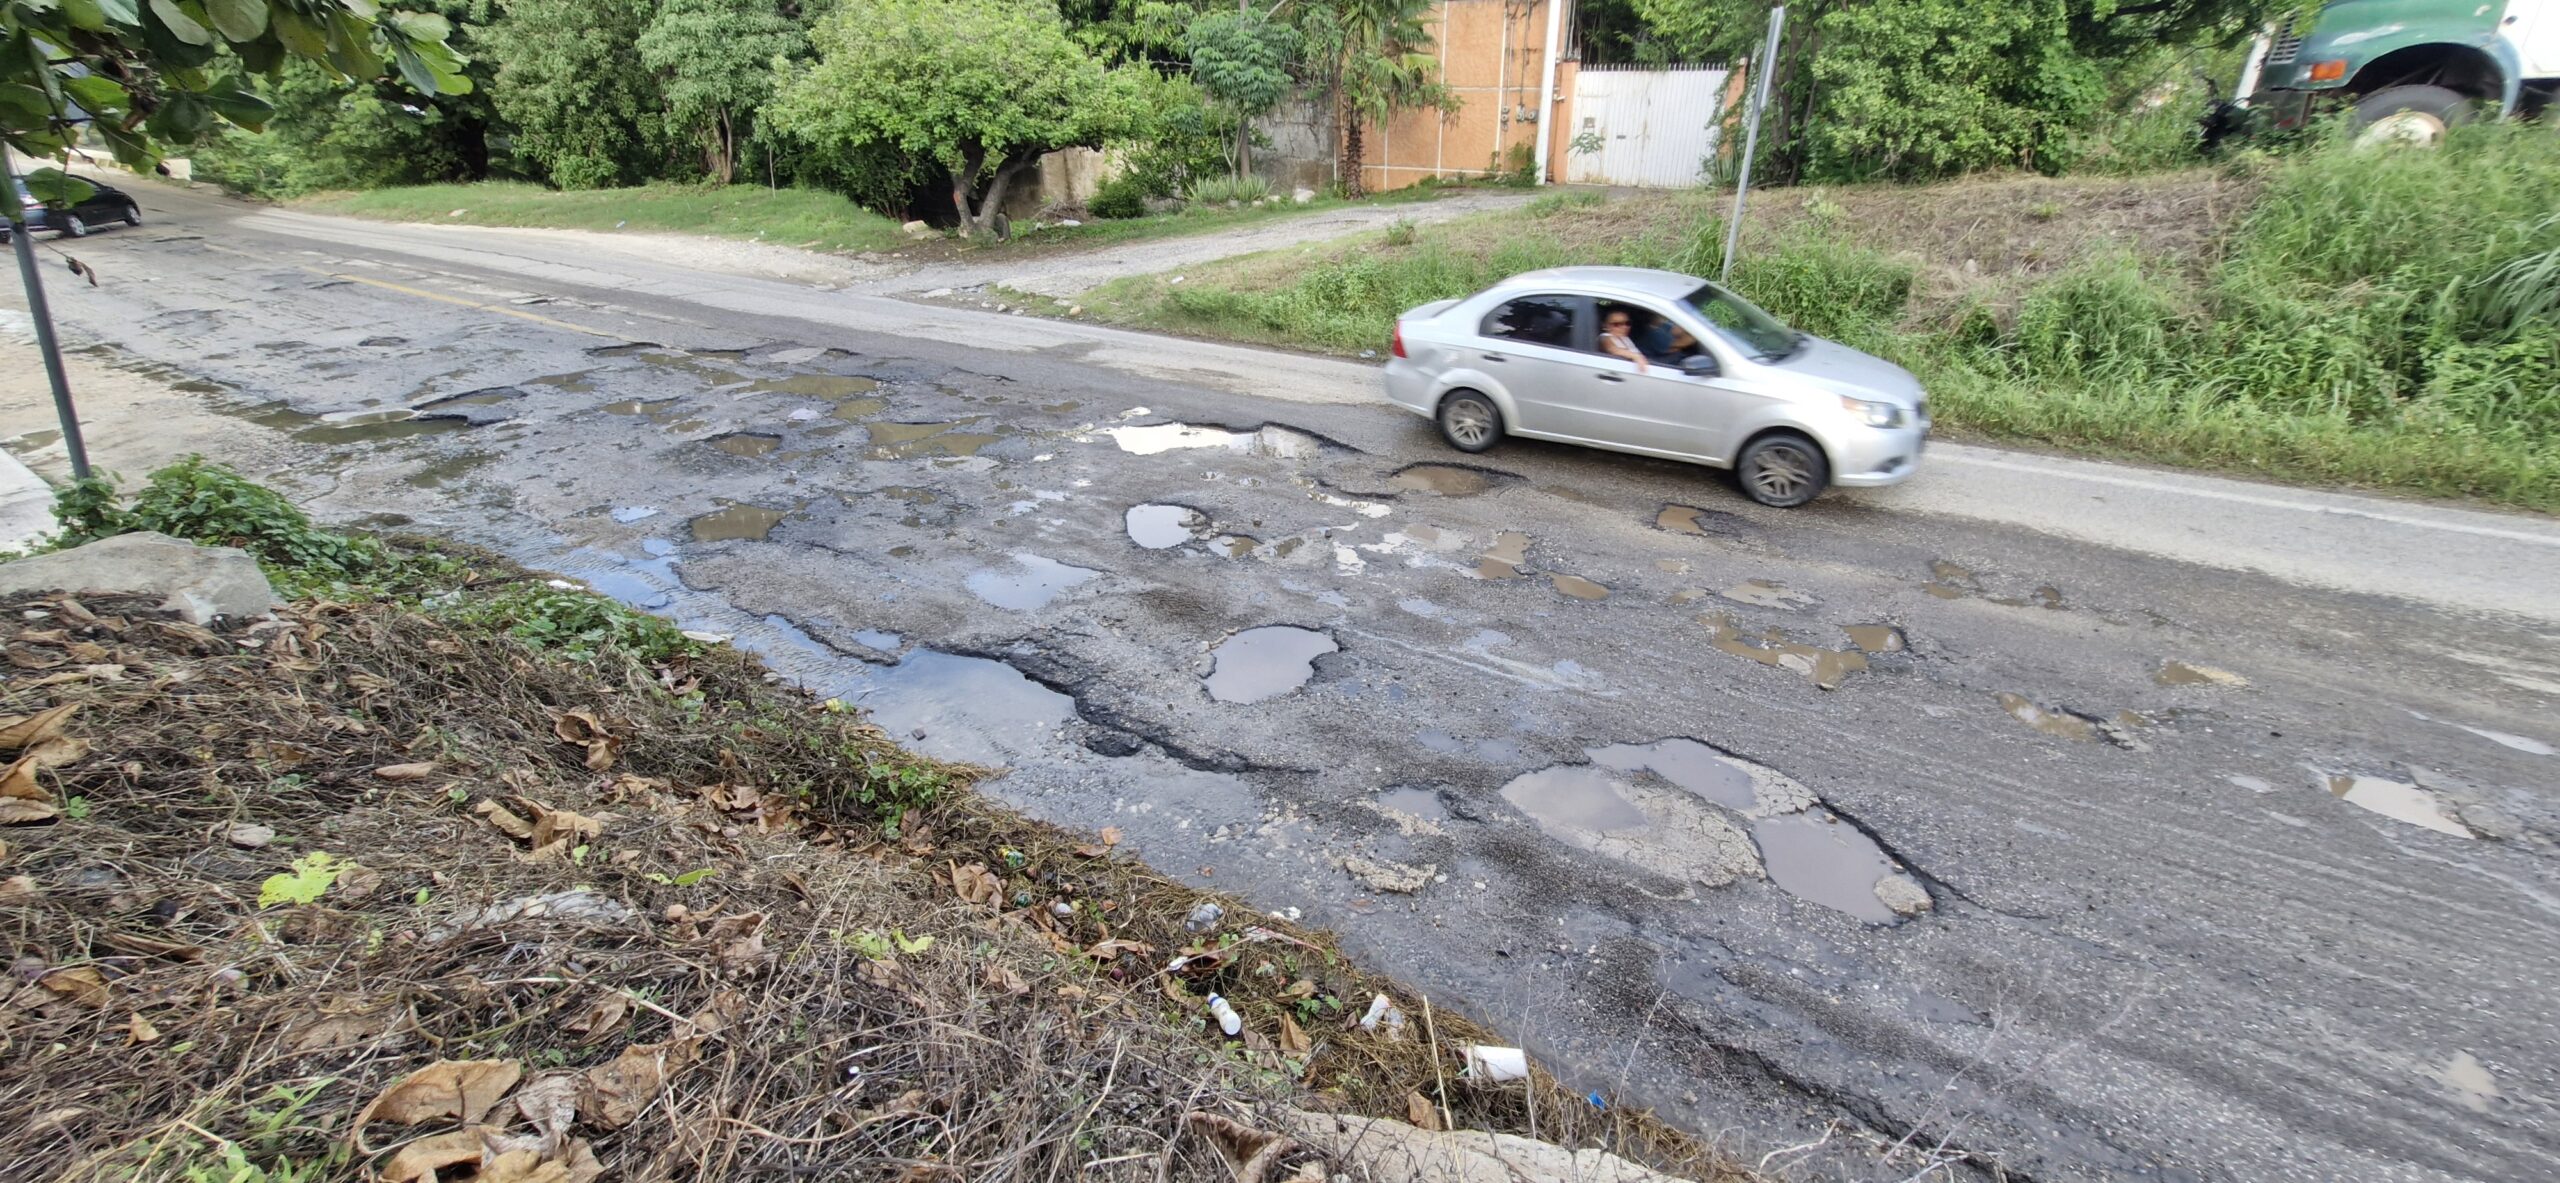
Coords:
1872,414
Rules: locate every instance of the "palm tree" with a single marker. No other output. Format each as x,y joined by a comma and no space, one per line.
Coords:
1373,56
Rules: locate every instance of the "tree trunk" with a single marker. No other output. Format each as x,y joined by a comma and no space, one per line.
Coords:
963,179
724,136
1353,183
991,207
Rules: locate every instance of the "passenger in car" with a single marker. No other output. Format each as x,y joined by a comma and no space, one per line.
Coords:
1677,346
1617,335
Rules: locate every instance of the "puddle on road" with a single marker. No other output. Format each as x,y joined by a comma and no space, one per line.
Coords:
2054,722
972,709
1703,523
1687,763
1876,638
739,521
1813,857
1235,546
1422,804
575,382
1162,527
1828,668
355,427
1503,561
910,441
492,397
2179,673
748,444
880,639
1760,593
1948,581
436,474
1666,831
1579,588
1265,662
1446,480
2400,802
2470,1081
1029,585
1158,438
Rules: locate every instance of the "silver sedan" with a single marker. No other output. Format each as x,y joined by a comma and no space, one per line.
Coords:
1661,365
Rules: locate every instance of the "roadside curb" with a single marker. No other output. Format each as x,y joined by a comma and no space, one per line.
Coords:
26,505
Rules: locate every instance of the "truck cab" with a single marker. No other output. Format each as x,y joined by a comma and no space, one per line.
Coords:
2408,69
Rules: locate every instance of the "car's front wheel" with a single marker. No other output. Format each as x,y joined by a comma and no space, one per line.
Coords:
1783,470
73,227
1469,421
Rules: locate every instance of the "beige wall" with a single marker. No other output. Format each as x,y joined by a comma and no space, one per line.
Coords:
1491,55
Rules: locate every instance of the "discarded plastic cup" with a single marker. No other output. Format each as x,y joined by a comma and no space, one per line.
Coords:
1491,1064
1205,918
1382,1013
1228,1020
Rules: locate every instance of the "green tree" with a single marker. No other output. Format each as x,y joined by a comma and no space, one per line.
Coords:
1920,88
148,75
1373,59
714,60
1241,59
980,88
587,114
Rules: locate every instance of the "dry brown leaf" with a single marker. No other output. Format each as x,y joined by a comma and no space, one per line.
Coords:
145,945
17,889
54,753
355,883
1418,1112
1000,976
1111,835
1248,1152
716,1016
19,783
1111,950
139,1030
18,812
559,829
1293,1038
417,771
340,1031
33,659
505,820
615,1094
1092,850
464,1089
419,1161
86,653
583,729
600,1018
976,884
1302,988
550,1102
80,983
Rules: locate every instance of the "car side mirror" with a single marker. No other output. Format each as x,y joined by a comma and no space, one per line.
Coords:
1699,365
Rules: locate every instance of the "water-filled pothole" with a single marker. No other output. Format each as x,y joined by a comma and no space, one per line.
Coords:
1579,588
1265,662
748,444
1028,585
2400,802
1503,560
1446,480
1163,527
1813,857
910,441
1157,438
1828,668
736,522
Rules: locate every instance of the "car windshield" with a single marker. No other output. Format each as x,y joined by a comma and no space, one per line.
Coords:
1757,333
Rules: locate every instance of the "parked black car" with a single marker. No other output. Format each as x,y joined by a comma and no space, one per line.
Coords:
109,204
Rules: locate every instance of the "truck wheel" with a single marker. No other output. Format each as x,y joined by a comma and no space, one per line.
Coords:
2411,116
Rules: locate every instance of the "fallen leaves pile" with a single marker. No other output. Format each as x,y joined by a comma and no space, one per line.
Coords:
352,894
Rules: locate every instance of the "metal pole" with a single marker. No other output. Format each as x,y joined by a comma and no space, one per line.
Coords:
1751,139
42,315
1547,88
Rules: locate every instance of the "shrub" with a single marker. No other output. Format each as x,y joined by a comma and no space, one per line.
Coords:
1403,232
1120,197
571,622
201,501
1241,190
2103,318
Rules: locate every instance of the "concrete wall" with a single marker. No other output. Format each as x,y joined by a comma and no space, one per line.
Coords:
1300,152
1491,55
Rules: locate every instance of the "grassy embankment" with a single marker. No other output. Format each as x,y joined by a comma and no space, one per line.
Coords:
447,868
804,218
2384,319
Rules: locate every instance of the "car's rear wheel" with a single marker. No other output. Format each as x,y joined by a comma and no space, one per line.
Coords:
1782,470
73,227
1469,421
132,214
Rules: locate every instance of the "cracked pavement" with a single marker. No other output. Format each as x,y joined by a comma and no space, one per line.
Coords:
2203,834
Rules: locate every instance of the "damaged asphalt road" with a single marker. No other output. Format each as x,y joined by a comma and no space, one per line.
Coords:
2087,862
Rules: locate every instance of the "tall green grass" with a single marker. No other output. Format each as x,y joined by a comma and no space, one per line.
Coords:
2386,318
793,217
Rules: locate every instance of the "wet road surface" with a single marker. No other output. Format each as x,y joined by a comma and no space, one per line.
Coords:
2091,862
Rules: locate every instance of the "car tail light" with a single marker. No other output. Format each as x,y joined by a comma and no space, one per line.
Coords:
1399,339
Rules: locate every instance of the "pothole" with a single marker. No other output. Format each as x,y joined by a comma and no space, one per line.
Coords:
1761,593
1163,527
1813,857
2401,802
1030,584
1702,523
2179,673
910,441
1266,662
1158,438
1578,587
1504,559
1827,668
827,386
738,521
748,444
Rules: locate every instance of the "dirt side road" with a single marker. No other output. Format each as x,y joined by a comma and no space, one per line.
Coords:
2071,868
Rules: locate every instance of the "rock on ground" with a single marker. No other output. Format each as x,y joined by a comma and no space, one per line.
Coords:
200,582
1379,1148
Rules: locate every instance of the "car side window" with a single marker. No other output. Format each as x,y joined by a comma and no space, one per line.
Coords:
1535,320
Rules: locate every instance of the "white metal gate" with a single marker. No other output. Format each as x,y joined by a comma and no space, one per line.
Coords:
1634,125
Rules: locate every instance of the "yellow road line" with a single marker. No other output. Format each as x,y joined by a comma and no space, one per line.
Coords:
441,298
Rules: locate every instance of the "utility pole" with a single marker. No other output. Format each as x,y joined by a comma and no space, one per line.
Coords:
1767,65
42,315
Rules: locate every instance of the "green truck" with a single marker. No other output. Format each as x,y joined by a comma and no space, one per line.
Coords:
2408,69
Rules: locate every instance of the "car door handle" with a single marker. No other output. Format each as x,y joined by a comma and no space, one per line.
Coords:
1610,377
1495,357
